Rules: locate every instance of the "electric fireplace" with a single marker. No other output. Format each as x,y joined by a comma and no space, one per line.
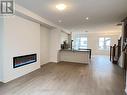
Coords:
24,60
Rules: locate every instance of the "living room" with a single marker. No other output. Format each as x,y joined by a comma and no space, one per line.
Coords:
40,41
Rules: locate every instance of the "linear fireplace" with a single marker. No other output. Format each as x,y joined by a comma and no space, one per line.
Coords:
24,60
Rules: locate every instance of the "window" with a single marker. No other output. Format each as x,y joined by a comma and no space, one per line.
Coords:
80,42
104,43
83,43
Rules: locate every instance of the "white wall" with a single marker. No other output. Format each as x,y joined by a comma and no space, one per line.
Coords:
21,37
55,37
51,41
45,45
64,36
1,50
93,40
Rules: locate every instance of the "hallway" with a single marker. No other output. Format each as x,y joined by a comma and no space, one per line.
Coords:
100,77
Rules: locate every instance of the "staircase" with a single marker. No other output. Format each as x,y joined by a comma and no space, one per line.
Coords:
115,52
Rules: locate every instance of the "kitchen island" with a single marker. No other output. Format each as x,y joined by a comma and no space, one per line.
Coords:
77,56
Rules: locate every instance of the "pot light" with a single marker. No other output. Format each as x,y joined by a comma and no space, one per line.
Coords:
59,21
87,18
61,7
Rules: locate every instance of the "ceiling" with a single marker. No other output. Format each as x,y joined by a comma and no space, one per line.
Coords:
100,12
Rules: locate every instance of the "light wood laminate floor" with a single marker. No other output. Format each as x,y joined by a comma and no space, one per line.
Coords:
98,78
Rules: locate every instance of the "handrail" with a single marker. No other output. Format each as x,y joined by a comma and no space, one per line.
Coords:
115,52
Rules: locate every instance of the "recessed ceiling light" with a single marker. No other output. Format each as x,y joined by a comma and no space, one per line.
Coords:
87,18
59,21
61,7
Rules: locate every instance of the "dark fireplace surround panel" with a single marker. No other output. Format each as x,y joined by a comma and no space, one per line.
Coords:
19,61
